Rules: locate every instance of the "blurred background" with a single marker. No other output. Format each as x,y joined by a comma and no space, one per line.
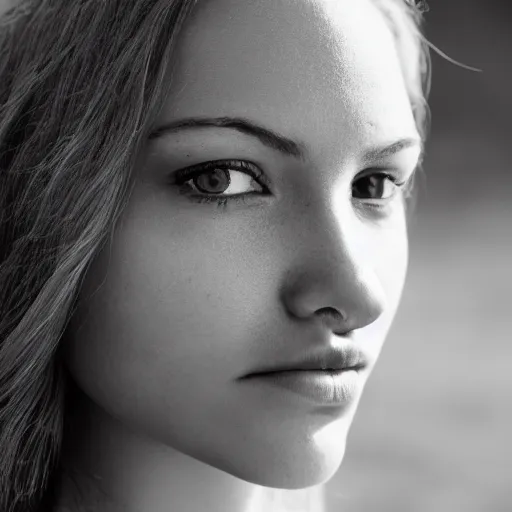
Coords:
433,432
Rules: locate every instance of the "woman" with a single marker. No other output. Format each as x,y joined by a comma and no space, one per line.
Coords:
198,197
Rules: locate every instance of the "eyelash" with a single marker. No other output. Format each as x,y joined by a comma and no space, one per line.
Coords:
189,173
184,175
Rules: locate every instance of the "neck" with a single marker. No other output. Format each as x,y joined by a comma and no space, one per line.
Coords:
109,467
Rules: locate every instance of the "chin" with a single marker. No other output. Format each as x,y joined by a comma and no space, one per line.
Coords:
293,461
297,472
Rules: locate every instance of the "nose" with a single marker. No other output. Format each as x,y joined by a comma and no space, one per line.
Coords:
334,282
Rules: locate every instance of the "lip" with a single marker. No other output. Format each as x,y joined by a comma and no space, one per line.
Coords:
334,357
320,387
325,376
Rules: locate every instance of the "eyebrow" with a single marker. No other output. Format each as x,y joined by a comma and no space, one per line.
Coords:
272,139
392,149
266,136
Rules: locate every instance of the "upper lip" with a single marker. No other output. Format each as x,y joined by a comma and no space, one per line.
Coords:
331,358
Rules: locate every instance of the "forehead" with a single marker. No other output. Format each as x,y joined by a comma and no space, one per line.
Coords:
293,65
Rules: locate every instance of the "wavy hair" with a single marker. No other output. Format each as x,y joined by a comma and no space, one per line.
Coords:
82,83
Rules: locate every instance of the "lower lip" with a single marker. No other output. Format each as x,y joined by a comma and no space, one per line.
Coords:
324,387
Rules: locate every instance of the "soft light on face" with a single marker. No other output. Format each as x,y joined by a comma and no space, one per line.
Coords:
192,296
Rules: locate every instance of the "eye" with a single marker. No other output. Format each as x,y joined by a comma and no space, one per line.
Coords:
377,186
219,181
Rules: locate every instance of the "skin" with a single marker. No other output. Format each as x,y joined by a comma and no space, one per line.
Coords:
189,297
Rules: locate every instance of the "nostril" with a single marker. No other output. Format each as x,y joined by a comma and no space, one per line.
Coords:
333,319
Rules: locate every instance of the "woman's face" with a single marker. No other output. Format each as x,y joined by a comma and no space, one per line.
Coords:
190,296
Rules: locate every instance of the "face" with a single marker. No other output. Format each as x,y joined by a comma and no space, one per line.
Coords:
191,296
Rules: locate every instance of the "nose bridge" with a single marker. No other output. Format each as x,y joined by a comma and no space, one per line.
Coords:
338,282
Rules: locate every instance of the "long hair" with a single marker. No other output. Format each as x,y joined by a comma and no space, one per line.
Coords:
82,83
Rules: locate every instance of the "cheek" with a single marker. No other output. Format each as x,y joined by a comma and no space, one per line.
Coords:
162,329
390,261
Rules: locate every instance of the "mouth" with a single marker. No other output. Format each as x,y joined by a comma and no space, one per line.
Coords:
329,378
338,388
332,359
321,371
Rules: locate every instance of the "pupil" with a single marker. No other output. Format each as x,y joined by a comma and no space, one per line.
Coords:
374,188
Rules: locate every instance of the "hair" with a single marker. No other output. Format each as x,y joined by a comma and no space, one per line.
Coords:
76,104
